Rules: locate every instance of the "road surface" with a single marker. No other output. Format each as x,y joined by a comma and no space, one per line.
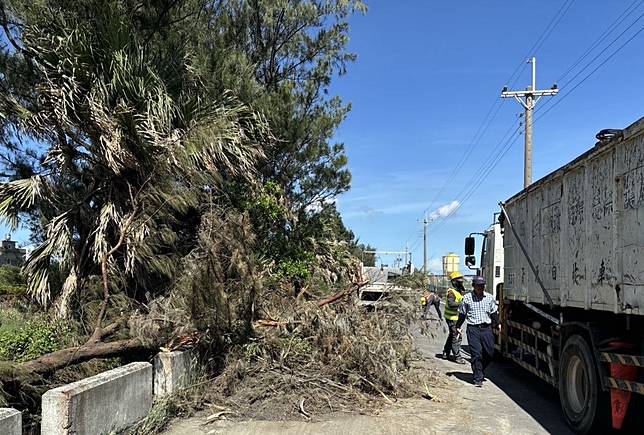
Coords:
512,401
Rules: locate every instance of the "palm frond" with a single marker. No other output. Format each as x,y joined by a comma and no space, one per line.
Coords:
57,246
19,196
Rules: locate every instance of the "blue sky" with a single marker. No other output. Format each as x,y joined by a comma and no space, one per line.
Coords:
427,74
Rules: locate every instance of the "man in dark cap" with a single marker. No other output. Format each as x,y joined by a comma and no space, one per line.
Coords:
481,312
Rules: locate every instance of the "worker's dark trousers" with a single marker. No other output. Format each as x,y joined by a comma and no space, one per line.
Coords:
438,310
481,343
453,343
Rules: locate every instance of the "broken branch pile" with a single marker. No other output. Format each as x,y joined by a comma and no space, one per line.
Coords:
309,359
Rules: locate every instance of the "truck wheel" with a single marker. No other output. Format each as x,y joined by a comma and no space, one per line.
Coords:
585,405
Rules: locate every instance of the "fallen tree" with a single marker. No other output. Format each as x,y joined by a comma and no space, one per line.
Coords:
182,181
74,355
98,349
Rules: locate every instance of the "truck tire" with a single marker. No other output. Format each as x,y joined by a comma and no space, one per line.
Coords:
585,406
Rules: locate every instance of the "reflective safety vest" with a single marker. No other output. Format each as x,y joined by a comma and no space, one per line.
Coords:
452,313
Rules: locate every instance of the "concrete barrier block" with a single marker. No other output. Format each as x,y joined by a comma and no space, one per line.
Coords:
109,401
173,371
10,421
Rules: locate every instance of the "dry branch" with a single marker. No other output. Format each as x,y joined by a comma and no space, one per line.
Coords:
338,296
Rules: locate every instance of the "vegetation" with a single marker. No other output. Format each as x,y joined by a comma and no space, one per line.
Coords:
174,163
12,281
417,280
26,336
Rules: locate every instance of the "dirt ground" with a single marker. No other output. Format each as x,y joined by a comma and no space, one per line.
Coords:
511,401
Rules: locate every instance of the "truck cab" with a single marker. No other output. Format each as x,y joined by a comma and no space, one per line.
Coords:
491,257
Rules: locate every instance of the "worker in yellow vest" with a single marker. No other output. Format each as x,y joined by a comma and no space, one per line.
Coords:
453,300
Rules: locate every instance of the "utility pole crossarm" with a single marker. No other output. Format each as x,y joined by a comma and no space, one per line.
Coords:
542,93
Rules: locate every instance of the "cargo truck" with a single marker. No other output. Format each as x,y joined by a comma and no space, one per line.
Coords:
572,294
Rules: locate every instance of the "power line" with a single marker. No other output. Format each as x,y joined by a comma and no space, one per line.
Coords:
491,164
416,243
496,106
553,23
509,144
480,132
564,96
499,156
589,63
490,158
611,27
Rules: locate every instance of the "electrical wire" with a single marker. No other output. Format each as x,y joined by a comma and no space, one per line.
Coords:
553,24
589,63
489,161
629,10
501,150
564,96
496,106
499,156
611,27
480,132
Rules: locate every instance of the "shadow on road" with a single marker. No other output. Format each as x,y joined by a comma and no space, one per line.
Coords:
536,397
526,390
463,376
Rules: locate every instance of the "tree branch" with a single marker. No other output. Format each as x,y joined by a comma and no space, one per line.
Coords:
96,335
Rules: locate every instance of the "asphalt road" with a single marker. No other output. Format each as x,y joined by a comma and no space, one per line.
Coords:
511,393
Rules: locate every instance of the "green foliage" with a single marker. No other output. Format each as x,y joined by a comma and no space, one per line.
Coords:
12,280
295,49
269,204
147,116
359,251
296,269
23,340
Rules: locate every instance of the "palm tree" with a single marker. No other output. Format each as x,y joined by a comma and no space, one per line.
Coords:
125,139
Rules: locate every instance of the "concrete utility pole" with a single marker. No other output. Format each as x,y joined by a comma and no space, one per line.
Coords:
425,241
528,99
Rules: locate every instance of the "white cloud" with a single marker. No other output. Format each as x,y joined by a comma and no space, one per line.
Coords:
445,210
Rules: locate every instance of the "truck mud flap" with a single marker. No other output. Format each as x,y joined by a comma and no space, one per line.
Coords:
622,384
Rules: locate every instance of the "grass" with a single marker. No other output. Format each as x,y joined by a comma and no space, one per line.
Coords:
182,403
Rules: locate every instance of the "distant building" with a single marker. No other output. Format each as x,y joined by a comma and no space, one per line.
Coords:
451,263
10,254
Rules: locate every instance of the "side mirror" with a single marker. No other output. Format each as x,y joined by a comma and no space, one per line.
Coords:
469,246
470,260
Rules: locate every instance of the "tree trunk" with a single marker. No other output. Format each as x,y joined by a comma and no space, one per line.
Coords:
75,355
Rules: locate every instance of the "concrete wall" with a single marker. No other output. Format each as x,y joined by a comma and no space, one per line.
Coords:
173,371
106,402
10,421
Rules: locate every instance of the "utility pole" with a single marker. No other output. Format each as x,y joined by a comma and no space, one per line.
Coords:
528,99
425,241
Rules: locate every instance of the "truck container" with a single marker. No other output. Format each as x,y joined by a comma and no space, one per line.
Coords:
572,296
